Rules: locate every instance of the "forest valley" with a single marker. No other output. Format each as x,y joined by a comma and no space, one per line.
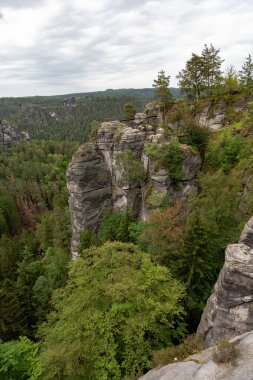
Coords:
133,298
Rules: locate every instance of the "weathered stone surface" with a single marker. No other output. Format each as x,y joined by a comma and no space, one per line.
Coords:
213,120
202,367
10,135
90,188
95,182
229,310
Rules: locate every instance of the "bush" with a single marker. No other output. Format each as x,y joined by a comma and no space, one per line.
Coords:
132,168
196,136
169,157
225,352
193,344
226,152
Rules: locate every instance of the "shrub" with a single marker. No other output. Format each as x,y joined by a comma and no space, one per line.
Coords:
196,136
193,344
132,168
169,157
225,352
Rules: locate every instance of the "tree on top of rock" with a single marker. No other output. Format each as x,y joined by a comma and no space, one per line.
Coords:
211,67
246,73
162,91
191,77
202,73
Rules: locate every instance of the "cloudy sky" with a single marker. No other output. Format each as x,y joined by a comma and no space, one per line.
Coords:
64,46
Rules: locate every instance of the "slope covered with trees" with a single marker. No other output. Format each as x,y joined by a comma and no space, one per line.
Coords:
138,287
69,117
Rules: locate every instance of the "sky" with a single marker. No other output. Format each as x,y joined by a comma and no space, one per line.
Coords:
50,47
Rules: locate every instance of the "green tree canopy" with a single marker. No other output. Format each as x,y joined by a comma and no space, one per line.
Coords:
115,310
246,72
162,92
202,73
191,77
129,111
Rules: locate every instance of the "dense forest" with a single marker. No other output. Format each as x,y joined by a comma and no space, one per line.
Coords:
69,117
138,288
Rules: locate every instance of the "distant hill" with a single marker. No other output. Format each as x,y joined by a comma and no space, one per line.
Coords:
69,117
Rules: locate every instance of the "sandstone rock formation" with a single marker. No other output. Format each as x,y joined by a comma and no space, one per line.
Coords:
229,310
214,116
202,367
10,135
95,182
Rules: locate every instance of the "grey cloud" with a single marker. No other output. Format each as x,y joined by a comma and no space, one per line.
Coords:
21,3
130,38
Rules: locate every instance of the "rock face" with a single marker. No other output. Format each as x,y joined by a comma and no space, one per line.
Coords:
90,182
95,182
202,367
229,310
214,116
10,135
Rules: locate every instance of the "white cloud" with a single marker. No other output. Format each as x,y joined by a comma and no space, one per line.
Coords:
64,46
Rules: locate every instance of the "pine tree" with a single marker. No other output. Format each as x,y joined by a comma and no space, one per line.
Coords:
12,318
191,78
129,111
162,91
211,68
246,72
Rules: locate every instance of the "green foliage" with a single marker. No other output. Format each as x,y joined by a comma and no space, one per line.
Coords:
226,152
158,200
115,226
53,275
169,157
162,92
87,239
9,216
225,352
231,84
163,234
55,229
19,360
95,125
191,78
131,168
61,120
246,72
115,310
195,266
191,345
33,196
196,136
13,319
202,74
129,111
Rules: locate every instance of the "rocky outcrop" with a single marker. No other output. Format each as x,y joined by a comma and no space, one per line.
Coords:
216,116
90,185
202,367
213,120
10,135
229,310
95,182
